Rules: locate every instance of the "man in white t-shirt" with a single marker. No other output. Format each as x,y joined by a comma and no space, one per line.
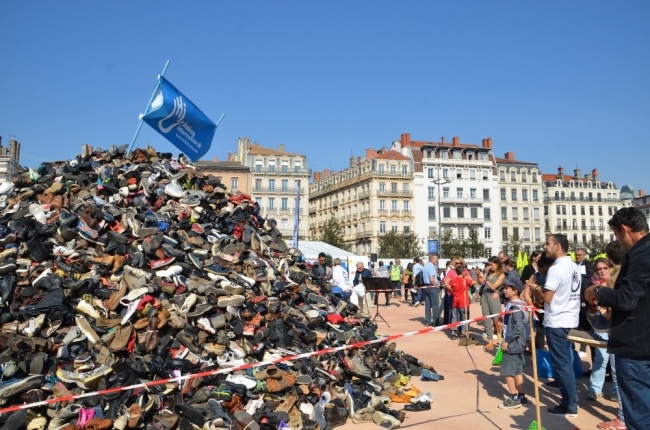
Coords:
561,294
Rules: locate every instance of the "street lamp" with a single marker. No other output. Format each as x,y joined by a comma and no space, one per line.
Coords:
438,182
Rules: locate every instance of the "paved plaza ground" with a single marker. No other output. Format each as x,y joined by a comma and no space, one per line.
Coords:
472,389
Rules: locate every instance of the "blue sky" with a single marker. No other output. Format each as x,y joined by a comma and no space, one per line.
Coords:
560,83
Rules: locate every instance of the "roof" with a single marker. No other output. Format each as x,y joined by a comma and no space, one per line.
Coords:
257,149
420,144
311,249
390,155
221,165
506,161
549,177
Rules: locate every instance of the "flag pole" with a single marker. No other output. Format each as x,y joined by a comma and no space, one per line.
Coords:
146,109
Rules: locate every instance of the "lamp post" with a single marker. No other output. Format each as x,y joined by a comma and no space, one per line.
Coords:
438,182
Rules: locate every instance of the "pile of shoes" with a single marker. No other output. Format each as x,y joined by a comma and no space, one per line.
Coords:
120,270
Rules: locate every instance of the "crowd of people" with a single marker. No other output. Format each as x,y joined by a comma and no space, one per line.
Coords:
600,305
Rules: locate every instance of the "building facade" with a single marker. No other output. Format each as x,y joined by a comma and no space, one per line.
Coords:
579,206
455,189
275,176
9,160
369,198
233,174
642,203
521,200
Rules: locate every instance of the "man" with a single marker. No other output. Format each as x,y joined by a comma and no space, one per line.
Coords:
503,257
586,269
396,270
561,296
320,269
382,272
431,292
358,289
417,268
629,339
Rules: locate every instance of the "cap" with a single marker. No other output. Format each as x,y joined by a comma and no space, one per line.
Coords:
514,283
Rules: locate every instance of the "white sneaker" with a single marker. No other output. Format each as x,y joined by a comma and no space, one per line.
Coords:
242,380
64,251
204,323
416,304
130,310
174,189
229,360
236,349
170,271
86,308
253,405
423,397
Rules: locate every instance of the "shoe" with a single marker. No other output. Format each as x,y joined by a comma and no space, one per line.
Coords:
562,411
417,407
593,395
510,403
584,337
383,420
552,384
614,424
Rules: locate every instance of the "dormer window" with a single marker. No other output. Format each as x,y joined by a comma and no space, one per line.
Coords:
444,155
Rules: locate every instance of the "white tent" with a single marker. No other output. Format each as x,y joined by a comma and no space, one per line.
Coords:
348,260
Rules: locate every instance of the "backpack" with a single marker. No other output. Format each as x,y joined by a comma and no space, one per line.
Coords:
395,274
419,279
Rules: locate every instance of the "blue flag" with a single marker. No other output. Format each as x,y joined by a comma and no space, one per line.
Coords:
179,120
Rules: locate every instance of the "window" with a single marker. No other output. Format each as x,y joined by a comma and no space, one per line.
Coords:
485,175
535,214
524,195
297,165
535,196
428,153
382,187
284,204
486,195
258,200
271,203
382,226
393,187
394,226
405,171
459,174
461,232
430,173
457,155
258,166
487,233
515,214
381,168
284,224
515,232
525,214
591,210
574,210
432,193
502,176
258,184
406,206
513,194
296,184
486,214
271,166
285,166
504,213
382,205
444,155
472,193
473,213
234,182
503,193
504,233
472,174
582,210
460,212
393,206
534,177
575,224
558,210
445,192
600,210
584,238
488,253
407,227
513,177
563,209
271,184
445,173
526,233
446,212
524,177
459,193
393,171
285,185
432,212
538,234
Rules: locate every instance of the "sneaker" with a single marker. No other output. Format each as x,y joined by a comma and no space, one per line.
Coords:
614,424
562,411
523,400
510,403
584,337
593,395
415,304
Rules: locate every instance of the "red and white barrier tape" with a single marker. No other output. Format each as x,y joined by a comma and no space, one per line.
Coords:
214,372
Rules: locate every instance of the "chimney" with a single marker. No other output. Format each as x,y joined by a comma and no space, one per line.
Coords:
454,141
215,158
351,161
442,140
594,173
359,160
326,173
510,156
316,176
281,147
641,193
484,143
84,149
560,173
577,173
588,176
14,149
489,140
370,153
405,139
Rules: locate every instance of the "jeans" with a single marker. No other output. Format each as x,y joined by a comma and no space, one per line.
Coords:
417,297
397,288
615,391
599,366
561,351
489,306
633,377
457,315
448,301
432,309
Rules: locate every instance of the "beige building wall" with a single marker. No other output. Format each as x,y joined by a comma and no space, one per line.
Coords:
231,173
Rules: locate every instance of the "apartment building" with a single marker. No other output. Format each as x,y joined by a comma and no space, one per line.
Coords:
9,159
579,206
275,176
455,188
370,197
521,194
231,173
642,203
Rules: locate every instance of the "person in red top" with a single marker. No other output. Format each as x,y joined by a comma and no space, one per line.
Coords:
457,282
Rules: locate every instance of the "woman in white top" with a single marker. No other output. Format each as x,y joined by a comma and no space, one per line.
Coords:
341,279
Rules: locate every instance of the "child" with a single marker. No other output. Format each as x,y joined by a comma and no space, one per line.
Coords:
458,286
514,344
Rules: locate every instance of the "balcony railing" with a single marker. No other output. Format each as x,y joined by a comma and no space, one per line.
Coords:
364,195
456,199
280,171
363,234
462,221
277,190
406,193
581,199
335,203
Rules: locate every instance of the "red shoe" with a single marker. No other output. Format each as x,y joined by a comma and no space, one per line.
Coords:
156,264
614,424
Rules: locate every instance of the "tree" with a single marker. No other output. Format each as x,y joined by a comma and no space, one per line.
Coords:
333,234
473,247
512,246
449,245
400,245
596,246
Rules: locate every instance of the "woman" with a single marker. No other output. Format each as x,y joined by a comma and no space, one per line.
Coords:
407,281
490,301
530,268
600,319
532,295
341,279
